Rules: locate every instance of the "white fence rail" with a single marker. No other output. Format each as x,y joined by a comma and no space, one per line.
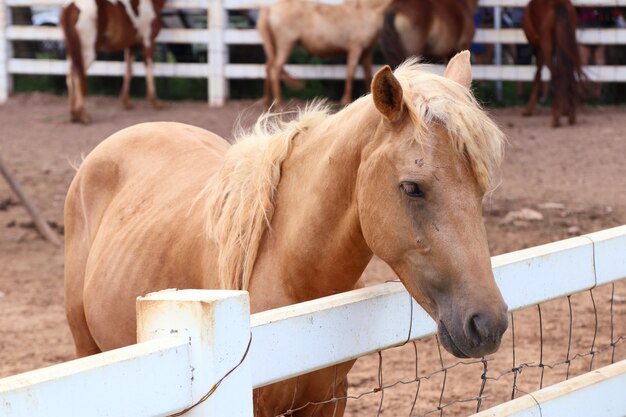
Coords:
142,380
596,393
190,339
219,37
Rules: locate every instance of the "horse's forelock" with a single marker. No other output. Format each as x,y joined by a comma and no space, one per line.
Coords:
431,98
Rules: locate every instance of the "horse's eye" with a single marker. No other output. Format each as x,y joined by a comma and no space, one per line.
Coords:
411,189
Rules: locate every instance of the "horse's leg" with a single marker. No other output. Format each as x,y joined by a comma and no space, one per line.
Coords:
336,407
150,87
366,61
128,59
81,52
353,60
77,248
571,116
532,100
267,83
79,87
599,60
276,69
557,109
71,88
328,386
558,101
267,87
546,52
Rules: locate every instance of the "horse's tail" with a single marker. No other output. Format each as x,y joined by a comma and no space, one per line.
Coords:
69,18
568,71
390,42
269,46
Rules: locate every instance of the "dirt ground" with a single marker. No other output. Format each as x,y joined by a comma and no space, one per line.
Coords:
580,170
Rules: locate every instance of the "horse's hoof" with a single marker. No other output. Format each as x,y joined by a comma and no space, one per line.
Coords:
527,113
556,123
127,105
80,117
157,104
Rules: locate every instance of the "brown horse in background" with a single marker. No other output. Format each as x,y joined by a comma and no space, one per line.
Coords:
90,26
435,29
323,30
550,26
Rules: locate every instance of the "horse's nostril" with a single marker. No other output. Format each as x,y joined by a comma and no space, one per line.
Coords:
482,328
474,329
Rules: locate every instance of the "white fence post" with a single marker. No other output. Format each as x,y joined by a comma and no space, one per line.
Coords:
6,81
218,53
497,25
217,323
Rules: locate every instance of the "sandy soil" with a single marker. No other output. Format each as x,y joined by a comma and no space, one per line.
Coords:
581,168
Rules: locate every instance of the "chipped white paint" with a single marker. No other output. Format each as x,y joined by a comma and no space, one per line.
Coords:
217,325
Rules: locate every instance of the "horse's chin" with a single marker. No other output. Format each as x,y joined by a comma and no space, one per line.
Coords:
448,342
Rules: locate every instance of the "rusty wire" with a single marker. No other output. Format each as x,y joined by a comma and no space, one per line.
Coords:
515,371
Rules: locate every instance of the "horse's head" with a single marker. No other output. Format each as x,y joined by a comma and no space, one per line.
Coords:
419,193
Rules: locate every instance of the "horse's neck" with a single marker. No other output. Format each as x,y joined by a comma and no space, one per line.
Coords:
315,246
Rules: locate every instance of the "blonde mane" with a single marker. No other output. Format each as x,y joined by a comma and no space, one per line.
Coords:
431,98
240,203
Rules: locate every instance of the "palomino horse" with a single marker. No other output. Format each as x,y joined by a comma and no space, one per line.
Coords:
105,25
550,26
429,28
322,30
292,212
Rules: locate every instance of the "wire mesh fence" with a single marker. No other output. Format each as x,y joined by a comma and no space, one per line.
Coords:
545,344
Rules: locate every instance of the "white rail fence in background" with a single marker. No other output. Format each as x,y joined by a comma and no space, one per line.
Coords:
191,340
219,37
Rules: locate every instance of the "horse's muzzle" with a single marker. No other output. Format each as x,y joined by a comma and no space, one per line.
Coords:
480,334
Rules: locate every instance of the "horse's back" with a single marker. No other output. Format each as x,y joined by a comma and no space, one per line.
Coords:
132,226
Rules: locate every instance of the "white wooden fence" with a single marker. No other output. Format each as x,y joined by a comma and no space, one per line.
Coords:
189,341
219,37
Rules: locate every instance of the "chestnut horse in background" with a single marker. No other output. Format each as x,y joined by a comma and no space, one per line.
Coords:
550,27
92,26
434,29
295,211
323,30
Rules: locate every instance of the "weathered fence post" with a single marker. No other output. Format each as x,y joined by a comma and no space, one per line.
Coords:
6,82
218,53
217,323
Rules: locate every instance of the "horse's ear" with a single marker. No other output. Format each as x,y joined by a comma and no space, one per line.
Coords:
459,69
387,94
